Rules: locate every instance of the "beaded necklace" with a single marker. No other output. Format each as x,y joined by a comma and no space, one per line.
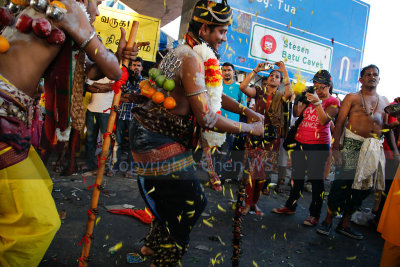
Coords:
372,109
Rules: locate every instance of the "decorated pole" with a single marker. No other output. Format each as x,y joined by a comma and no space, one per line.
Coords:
237,218
87,238
237,224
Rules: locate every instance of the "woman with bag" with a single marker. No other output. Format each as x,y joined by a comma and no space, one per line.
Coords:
312,144
262,154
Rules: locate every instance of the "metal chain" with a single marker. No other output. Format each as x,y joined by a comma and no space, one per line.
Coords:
170,64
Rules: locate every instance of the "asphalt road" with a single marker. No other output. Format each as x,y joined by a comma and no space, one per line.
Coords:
271,240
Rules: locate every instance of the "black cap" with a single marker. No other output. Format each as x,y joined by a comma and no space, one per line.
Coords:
322,76
212,13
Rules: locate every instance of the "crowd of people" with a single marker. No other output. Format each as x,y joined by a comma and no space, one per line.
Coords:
258,124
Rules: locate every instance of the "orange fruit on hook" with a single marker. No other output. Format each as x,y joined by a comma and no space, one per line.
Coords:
4,45
147,92
158,97
144,84
169,103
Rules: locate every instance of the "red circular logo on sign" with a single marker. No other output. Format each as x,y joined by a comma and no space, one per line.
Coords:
268,44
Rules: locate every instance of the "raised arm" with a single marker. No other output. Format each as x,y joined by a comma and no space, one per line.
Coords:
324,116
194,86
286,80
244,86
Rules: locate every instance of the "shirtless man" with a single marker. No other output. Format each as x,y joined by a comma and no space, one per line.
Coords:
161,139
29,217
355,171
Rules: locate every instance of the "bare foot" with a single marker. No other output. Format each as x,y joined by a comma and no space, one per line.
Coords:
258,210
146,251
246,209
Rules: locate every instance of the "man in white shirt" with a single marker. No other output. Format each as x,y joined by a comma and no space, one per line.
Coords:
97,115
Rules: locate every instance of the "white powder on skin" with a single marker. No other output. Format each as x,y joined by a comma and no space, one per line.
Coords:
200,80
210,119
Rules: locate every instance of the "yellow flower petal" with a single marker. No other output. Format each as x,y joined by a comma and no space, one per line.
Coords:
207,223
115,248
221,208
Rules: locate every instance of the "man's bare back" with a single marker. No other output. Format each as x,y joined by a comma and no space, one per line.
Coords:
29,56
184,78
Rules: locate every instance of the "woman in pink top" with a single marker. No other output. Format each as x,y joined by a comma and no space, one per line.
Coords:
312,145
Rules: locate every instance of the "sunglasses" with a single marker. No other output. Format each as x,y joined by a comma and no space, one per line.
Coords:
320,87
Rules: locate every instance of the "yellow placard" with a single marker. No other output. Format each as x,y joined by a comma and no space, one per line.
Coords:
108,26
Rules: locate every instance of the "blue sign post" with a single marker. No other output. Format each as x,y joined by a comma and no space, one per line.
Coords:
308,35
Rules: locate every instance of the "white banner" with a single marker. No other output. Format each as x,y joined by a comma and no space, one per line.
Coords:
298,53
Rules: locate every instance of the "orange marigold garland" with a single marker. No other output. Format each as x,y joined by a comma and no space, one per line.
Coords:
213,80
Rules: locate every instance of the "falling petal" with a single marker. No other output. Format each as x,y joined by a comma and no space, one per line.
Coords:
95,52
98,220
190,202
115,248
284,236
207,223
148,212
190,213
351,258
151,190
221,208
179,218
223,190
166,245
220,240
231,193
226,47
263,226
107,237
255,264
